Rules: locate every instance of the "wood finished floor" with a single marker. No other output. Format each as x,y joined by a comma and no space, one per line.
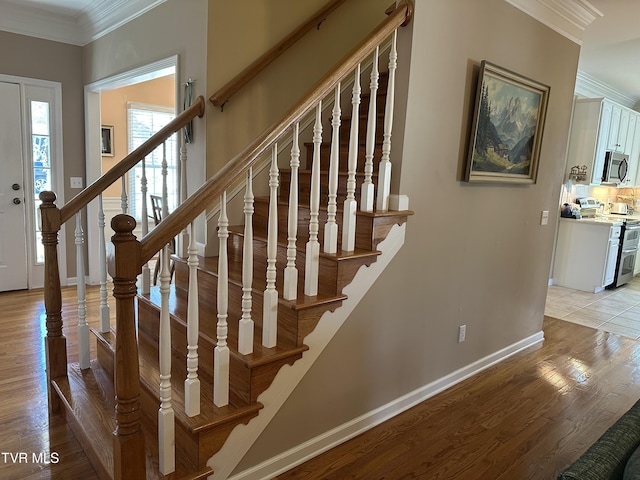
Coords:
524,418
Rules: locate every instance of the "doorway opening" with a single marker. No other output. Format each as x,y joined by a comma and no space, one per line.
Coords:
118,104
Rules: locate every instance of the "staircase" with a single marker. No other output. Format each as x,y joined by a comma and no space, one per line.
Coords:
112,427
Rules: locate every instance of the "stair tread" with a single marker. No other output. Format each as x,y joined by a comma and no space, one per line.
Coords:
178,302
89,395
374,214
210,415
210,265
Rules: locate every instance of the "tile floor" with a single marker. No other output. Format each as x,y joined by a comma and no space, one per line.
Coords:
615,311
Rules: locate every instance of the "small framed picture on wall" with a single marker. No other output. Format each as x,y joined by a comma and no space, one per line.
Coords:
107,141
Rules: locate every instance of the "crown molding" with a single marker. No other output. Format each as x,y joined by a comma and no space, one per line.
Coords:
98,19
590,87
569,18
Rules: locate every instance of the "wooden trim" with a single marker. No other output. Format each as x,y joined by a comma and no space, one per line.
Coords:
237,167
222,96
92,191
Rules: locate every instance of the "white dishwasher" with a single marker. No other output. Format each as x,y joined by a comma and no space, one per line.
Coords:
586,253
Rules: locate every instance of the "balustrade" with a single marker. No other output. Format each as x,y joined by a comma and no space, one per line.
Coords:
131,256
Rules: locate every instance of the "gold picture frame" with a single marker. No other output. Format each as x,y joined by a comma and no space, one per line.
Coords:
508,122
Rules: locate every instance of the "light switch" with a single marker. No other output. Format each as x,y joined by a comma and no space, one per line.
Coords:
544,218
76,182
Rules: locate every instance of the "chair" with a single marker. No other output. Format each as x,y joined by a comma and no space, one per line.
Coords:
156,211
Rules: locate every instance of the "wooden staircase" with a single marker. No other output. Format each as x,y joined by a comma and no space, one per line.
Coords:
88,395
117,403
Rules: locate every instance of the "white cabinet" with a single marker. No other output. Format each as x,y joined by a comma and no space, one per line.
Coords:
586,253
590,136
600,125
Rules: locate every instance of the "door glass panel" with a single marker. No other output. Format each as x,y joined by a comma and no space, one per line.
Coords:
41,165
40,118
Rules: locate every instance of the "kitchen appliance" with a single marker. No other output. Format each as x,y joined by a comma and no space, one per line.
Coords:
615,167
588,206
619,208
629,241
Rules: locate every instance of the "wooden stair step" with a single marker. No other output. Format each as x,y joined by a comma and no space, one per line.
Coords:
199,437
371,227
336,270
296,318
89,398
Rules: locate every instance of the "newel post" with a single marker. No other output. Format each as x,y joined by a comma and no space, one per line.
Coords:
55,342
124,266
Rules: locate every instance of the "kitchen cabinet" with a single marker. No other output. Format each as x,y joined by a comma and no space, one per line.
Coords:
586,254
600,125
633,147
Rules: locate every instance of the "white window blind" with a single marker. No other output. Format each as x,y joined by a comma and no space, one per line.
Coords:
143,121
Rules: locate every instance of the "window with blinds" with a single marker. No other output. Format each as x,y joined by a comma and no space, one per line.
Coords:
143,121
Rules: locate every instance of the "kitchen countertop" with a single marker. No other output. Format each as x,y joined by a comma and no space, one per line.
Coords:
609,220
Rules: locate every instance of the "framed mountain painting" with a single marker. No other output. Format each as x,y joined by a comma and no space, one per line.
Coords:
508,122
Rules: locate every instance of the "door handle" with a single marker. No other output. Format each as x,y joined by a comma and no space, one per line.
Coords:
17,201
15,186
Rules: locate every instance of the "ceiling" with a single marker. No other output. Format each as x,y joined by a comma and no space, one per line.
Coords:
610,53
77,22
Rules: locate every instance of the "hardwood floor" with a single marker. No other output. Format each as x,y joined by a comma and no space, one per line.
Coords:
34,445
527,417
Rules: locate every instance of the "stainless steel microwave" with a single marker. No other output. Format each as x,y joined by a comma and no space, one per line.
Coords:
615,167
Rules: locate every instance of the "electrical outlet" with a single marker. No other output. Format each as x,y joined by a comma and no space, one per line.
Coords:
462,333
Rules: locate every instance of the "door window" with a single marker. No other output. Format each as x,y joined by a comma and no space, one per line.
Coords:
41,165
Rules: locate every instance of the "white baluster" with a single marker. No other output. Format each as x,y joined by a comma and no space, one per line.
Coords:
124,201
165,199
367,193
221,352
331,227
105,312
183,251
246,326
166,422
270,302
384,172
83,326
192,382
290,291
350,203
145,286
313,246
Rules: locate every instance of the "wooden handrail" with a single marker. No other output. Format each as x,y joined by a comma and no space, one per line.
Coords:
123,166
209,192
225,93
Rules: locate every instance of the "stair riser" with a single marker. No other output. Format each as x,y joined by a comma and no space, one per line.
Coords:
194,447
304,187
293,325
343,164
370,230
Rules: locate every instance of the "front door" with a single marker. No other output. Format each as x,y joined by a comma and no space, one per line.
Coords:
13,232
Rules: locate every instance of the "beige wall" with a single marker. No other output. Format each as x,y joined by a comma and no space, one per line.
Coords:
113,111
241,30
57,62
474,254
173,28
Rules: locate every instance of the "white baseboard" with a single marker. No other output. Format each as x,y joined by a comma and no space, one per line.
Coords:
351,429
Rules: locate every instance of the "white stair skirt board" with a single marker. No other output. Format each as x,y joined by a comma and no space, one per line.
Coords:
242,437
322,443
